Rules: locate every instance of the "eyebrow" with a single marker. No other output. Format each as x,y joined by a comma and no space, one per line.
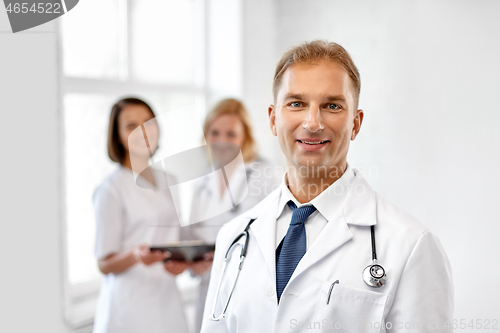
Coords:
340,98
328,98
293,96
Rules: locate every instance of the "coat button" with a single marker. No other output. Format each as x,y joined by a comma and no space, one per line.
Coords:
270,291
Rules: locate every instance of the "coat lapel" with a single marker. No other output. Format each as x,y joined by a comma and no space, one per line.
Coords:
264,229
333,236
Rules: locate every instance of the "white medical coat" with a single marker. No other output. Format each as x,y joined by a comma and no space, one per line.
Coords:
419,288
143,298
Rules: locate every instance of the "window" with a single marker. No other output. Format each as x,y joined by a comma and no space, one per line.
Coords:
109,51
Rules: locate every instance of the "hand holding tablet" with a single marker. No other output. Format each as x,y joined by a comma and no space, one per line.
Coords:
188,251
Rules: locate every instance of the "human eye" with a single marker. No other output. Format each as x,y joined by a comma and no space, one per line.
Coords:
333,106
231,134
296,104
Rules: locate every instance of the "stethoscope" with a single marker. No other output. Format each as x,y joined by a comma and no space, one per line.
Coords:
226,258
373,274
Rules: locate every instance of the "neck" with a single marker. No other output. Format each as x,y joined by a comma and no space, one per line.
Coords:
307,183
140,162
141,166
126,161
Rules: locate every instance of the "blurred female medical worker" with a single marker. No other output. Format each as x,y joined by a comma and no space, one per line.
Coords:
138,293
227,122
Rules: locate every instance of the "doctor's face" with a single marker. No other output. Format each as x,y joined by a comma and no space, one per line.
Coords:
315,116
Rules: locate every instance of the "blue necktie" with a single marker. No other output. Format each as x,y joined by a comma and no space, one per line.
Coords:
293,247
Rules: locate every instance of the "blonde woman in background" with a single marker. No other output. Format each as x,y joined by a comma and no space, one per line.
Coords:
138,292
227,122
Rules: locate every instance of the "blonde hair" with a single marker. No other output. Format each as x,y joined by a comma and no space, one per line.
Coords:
231,106
314,51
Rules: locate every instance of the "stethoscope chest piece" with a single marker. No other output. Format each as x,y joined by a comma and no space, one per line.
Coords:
374,275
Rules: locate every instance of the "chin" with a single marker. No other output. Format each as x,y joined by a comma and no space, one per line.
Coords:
310,163
139,154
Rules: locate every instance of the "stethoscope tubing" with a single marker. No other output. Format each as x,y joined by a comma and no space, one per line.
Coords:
243,254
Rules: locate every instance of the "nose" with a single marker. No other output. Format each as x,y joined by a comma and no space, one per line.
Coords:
312,121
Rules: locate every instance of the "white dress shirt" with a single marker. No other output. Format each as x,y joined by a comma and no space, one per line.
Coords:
327,204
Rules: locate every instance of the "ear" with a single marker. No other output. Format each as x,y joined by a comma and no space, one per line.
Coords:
272,119
358,120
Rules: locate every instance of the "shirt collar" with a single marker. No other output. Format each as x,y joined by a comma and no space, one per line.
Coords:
328,203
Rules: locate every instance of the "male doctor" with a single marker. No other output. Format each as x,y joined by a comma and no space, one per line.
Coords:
310,240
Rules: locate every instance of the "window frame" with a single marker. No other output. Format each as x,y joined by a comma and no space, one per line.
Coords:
80,299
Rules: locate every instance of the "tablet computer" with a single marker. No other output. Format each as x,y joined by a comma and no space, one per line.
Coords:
186,250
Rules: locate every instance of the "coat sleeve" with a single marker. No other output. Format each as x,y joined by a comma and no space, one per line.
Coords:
208,325
108,211
424,299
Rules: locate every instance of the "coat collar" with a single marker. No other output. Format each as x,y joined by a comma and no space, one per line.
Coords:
328,202
360,205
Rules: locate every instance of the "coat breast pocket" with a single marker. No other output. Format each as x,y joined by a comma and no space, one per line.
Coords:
350,309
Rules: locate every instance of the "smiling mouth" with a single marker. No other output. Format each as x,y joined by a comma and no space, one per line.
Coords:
313,142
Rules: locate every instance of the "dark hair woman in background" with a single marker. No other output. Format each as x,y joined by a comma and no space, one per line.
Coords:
138,293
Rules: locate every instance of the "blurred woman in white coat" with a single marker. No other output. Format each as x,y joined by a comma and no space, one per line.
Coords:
227,122
138,293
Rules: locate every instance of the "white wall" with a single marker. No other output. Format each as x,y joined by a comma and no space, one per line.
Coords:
430,79
30,237
223,49
259,60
